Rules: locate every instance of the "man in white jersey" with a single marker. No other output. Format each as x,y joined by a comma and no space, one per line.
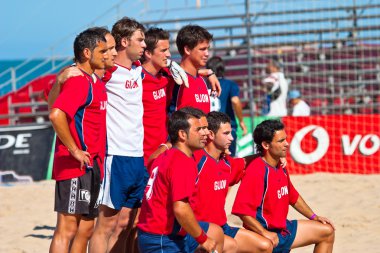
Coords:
125,175
277,87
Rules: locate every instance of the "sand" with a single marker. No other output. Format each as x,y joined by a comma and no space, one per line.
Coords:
352,202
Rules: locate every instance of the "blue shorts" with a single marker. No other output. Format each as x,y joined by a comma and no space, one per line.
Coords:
124,182
286,237
152,243
230,231
191,243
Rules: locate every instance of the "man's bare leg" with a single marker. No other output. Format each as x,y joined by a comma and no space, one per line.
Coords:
229,245
104,228
65,231
83,235
314,232
131,245
120,237
249,242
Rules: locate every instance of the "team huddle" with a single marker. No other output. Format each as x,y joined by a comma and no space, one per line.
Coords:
139,151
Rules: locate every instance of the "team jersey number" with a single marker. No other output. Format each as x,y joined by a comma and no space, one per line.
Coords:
149,186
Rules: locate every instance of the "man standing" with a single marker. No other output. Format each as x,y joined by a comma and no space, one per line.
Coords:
265,193
229,100
193,44
158,85
277,87
85,230
166,215
216,173
125,175
78,125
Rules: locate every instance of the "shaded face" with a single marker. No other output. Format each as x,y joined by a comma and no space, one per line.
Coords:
111,51
197,136
160,54
99,56
199,54
223,137
279,146
136,45
204,124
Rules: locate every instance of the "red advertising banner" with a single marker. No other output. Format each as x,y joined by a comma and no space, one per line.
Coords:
334,143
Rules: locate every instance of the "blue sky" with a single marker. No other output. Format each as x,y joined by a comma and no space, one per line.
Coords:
31,28
42,28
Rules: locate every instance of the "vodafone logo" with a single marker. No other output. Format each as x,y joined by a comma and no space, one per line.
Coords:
323,142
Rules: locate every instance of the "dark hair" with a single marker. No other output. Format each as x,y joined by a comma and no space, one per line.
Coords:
265,132
100,29
87,39
215,119
272,64
125,27
190,36
217,65
179,121
152,36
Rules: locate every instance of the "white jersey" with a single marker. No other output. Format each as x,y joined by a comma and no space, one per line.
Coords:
301,109
278,106
125,131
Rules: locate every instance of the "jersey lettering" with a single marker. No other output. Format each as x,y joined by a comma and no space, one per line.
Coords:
131,84
201,98
149,186
220,185
282,192
103,105
159,94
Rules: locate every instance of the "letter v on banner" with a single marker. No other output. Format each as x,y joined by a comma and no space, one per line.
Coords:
349,148
333,143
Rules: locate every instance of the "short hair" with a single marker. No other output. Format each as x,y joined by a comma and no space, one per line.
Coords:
179,121
100,29
190,36
87,39
217,65
272,64
124,28
265,132
152,36
215,119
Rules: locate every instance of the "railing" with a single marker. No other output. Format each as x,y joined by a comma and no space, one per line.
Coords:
309,41
40,69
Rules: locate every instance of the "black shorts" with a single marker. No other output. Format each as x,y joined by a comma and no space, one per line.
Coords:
78,195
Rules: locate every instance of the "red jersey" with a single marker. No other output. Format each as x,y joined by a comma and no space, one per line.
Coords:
265,193
84,103
214,178
172,179
155,101
196,95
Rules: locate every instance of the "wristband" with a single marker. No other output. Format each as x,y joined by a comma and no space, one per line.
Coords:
211,74
164,144
313,216
201,238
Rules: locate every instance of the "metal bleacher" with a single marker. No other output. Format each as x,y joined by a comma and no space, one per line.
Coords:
329,50
331,54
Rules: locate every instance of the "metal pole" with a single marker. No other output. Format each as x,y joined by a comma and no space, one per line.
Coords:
13,79
248,25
